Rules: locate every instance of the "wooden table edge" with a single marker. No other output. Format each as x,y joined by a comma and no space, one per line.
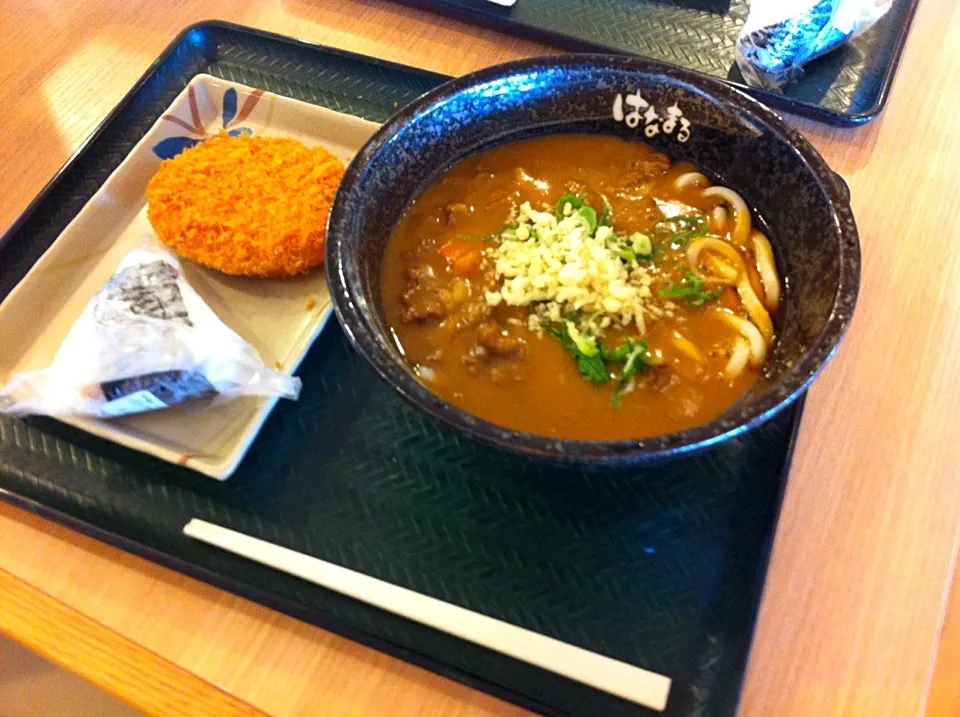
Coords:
942,697
117,665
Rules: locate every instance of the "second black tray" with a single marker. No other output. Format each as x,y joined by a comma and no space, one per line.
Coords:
660,568
846,87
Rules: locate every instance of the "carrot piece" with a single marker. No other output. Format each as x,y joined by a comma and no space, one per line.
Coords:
463,257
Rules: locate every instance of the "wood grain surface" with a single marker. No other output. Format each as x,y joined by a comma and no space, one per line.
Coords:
854,619
944,697
118,665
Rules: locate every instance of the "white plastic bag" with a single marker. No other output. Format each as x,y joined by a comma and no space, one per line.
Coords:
781,36
144,342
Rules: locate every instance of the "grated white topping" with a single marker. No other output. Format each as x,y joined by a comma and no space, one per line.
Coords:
561,268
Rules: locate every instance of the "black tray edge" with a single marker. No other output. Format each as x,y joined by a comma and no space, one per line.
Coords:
288,40
503,23
888,79
763,564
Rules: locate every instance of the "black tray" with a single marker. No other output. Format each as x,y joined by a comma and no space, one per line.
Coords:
845,87
661,568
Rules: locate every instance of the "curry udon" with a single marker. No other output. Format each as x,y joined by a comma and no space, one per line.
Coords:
581,286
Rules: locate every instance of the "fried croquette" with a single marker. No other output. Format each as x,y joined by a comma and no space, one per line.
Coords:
250,206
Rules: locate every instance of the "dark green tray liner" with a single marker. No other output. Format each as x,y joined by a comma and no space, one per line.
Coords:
661,568
846,87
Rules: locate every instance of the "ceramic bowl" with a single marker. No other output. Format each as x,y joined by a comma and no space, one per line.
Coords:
731,137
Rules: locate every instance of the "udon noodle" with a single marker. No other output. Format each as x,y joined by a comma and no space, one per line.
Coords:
717,262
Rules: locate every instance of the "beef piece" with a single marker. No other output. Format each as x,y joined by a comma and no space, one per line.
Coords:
457,211
419,308
476,356
656,166
421,297
660,378
498,341
474,311
418,275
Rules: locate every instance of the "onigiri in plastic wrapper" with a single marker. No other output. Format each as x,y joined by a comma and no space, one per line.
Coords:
781,36
144,342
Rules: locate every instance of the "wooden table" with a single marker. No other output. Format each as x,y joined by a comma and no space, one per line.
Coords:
854,619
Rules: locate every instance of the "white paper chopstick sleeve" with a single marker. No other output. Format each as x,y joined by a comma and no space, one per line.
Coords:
603,673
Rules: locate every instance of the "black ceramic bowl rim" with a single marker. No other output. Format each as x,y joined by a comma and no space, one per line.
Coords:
362,333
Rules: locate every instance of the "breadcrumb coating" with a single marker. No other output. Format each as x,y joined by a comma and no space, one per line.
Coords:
250,206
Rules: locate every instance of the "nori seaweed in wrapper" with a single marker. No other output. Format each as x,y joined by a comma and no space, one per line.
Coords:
146,341
781,36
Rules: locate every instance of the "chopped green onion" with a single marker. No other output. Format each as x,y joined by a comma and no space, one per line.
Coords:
506,231
617,355
589,214
636,360
573,200
593,369
593,356
635,363
587,345
606,216
591,365
641,244
691,289
677,232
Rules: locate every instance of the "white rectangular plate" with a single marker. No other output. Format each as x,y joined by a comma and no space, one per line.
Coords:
280,317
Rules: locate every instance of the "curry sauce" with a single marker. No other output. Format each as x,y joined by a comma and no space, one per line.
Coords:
440,286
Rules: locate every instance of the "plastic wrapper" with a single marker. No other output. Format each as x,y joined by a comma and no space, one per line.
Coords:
144,342
781,36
